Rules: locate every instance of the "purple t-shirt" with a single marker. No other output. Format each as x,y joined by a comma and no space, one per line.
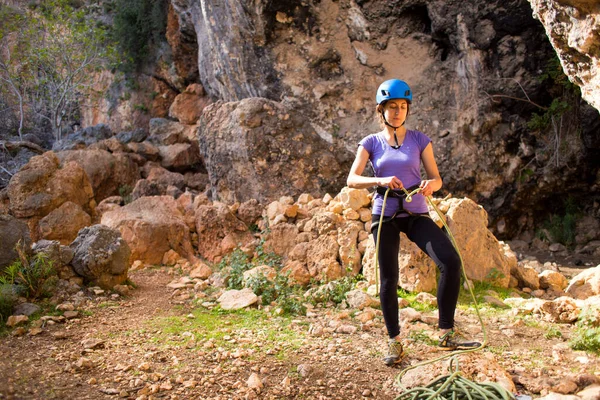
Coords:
404,163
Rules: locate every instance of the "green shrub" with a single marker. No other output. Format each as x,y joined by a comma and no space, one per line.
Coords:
33,278
264,257
278,291
334,291
138,25
562,228
552,332
125,192
587,333
235,263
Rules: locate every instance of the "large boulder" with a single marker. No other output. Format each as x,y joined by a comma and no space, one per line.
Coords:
187,106
109,173
585,284
64,223
101,256
12,231
152,226
43,185
484,257
180,156
257,148
218,230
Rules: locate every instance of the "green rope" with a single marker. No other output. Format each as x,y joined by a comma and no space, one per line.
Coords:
452,386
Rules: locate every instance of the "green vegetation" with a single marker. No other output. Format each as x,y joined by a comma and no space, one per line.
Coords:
49,53
125,192
552,332
423,337
33,278
138,25
587,333
485,288
554,77
278,291
332,292
562,228
220,327
236,263
141,107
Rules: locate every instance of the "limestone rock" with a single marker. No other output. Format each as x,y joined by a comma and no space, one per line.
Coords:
101,256
43,185
12,231
585,284
236,299
64,222
257,148
214,222
151,226
107,172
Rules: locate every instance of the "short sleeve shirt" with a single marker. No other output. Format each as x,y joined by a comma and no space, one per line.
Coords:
404,163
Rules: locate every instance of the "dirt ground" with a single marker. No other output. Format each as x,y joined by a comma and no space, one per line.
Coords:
114,349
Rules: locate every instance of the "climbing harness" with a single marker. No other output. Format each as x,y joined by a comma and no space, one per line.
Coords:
452,386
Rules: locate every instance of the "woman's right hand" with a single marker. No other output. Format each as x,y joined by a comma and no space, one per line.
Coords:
390,181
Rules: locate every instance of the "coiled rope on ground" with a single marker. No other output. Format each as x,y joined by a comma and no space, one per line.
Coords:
452,386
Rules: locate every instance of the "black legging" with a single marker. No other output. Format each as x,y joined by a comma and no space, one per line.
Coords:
434,242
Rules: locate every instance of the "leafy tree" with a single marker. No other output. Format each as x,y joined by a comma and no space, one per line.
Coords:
138,24
48,56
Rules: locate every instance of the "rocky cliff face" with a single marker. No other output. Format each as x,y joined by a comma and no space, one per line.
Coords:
474,68
573,27
480,73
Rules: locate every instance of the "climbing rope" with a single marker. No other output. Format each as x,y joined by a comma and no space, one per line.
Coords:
455,387
452,386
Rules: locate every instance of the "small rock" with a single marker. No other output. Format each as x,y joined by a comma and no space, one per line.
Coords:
123,290
84,363
145,366
92,343
65,307
71,314
26,309
254,382
347,329
304,370
15,320
35,331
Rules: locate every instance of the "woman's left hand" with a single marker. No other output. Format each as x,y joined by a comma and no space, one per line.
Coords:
426,189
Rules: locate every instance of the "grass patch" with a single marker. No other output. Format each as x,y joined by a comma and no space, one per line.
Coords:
587,332
552,332
225,329
423,337
413,303
480,290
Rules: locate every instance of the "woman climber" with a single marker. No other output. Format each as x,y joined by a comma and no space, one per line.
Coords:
396,154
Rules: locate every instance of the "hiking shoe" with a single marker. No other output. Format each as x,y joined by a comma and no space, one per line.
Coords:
454,340
395,353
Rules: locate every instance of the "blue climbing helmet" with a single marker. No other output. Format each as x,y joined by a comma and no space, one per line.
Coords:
393,89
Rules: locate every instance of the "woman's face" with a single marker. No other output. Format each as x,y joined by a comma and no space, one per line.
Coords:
395,111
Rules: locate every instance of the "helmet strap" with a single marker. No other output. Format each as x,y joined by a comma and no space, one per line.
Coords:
397,146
